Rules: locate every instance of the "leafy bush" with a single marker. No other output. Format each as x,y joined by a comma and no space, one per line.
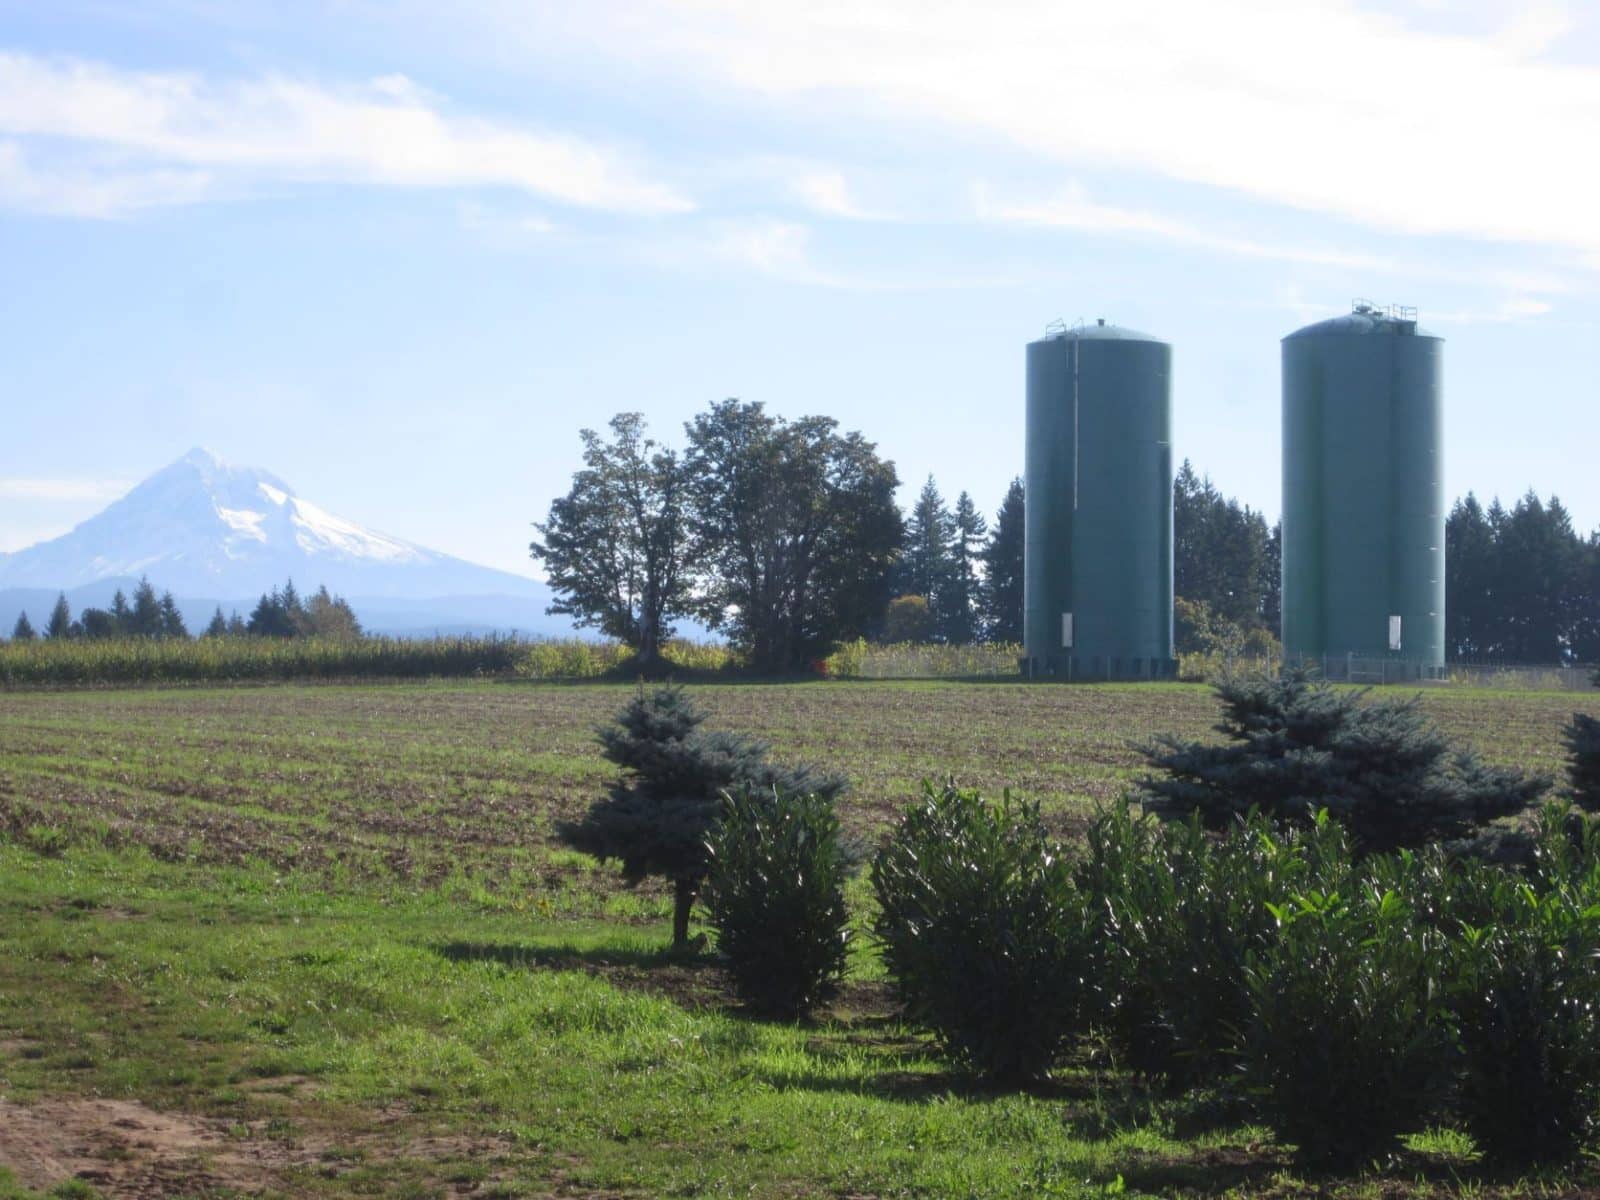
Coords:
1296,748
1349,1038
982,929
1526,992
1582,737
1175,920
774,894
1210,646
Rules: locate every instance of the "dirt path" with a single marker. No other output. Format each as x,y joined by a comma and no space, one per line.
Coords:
129,1151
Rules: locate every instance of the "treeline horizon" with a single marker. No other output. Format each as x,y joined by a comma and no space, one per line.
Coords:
280,613
786,537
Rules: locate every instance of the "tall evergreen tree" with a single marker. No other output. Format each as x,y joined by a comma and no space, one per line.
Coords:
1003,562
145,619
1223,554
22,631
1272,582
959,617
121,615
925,565
1469,560
172,625
60,623
273,615
1521,585
218,626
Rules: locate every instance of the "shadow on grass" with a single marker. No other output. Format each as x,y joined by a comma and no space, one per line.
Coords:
1272,1171
692,980
568,956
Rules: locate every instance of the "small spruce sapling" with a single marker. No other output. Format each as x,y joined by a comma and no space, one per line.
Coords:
1582,737
655,820
1296,747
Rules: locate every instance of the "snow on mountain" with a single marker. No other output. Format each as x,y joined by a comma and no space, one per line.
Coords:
203,528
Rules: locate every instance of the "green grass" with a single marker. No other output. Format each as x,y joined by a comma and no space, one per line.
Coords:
327,925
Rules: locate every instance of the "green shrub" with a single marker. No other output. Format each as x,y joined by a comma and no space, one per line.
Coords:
1526,993
774,895
982,928
1297,747
1175,919
1349,1037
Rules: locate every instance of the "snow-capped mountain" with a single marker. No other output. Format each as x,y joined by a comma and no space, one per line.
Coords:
215,533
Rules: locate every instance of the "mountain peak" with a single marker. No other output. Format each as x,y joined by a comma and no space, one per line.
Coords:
201,526
199,456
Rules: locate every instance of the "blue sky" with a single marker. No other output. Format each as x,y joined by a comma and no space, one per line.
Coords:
398,253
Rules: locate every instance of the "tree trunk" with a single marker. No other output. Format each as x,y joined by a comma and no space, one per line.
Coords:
649,662
683,892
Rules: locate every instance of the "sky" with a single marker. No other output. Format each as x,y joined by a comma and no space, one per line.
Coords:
400,252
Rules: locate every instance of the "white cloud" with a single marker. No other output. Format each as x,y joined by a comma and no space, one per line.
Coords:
782,250
68,490
138,138
1512,308
827,192
779,249
483,219
1072,208
87,192
1322,105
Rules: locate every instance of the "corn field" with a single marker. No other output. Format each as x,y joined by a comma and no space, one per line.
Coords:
242,659
922,660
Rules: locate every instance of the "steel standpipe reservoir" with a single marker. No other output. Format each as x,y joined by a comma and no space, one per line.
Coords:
1098,567
1363,497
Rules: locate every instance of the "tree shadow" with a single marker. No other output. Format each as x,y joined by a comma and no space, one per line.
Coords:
692,980
569,956
1273,1171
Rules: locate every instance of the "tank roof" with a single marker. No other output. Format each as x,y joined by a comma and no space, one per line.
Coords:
1364,319
1099,331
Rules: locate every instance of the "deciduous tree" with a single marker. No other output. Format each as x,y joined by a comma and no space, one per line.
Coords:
795,531
616,545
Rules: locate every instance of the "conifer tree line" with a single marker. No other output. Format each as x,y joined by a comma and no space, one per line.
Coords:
279,613
1522,585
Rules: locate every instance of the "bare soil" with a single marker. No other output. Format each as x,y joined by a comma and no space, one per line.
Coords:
129,1151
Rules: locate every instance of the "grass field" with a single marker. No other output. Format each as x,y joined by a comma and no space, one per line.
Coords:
316,940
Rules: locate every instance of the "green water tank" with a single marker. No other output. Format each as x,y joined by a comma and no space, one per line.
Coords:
1098,571
1363,497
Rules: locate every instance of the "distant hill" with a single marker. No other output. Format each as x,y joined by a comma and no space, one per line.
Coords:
215,534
